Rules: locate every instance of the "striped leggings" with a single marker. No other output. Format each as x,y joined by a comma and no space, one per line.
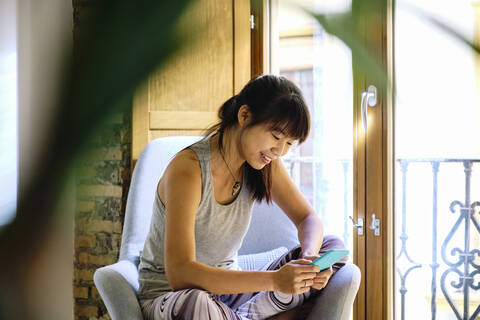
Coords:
193,304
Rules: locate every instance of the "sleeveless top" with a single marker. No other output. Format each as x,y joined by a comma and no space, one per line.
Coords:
219,231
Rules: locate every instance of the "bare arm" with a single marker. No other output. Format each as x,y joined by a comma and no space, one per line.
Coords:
298,209
182,197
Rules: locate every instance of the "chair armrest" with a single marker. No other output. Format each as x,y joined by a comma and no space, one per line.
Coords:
336,300
117,285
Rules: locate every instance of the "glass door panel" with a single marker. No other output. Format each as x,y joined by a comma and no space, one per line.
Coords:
321,66
437,165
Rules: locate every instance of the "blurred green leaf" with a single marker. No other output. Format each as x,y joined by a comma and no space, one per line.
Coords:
126,41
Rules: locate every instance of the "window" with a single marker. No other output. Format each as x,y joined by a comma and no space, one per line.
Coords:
8,112
321,65
437,164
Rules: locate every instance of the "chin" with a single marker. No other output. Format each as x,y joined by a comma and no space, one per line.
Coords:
256,165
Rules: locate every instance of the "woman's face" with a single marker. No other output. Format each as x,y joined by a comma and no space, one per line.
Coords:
261,145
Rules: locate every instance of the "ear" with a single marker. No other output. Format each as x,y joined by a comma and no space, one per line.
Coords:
244,115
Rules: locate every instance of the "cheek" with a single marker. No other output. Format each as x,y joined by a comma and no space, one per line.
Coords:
251,143
255,142
253,149
285,150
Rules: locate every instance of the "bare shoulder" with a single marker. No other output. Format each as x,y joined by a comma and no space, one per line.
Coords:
182,175
186,161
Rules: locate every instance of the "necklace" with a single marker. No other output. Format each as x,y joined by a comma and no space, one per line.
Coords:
236,185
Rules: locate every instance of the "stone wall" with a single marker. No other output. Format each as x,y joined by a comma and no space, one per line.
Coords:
102,178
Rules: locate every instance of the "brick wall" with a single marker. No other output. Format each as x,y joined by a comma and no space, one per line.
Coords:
103,177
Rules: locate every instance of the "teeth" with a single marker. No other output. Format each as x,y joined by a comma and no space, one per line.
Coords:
267,158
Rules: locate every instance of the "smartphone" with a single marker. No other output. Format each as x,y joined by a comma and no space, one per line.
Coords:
329,258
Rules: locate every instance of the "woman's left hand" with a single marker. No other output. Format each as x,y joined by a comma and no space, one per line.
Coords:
321,280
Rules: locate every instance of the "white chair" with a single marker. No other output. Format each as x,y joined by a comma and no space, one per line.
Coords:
270,235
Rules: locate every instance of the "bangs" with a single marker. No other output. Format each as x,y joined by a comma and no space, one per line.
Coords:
293,120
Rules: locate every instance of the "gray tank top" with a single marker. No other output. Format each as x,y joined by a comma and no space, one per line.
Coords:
219,231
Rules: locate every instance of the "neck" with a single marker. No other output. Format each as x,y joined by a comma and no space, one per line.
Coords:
232,156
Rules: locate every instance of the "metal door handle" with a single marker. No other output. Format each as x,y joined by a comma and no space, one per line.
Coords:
369,97
375,225
358,225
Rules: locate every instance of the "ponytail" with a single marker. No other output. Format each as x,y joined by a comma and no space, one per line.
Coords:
228,111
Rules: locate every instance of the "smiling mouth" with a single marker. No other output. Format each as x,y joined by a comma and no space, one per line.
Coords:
265,158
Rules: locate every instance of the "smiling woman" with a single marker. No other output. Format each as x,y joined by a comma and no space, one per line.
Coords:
206,195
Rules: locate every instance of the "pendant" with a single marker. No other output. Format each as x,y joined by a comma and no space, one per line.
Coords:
236,186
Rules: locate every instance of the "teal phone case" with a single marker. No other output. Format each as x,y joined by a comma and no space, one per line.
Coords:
329,258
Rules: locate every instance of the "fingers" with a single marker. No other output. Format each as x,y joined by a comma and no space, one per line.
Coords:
303,286
319,285
325,275
321,280
301,261
304,265
302,290
310,258
328,272
307,283
306,276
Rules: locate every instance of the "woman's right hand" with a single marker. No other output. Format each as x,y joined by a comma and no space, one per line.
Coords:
295,277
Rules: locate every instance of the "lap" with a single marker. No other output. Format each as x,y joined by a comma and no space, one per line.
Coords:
185,304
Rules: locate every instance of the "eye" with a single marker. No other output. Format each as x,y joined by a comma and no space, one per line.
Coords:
276,138
289,143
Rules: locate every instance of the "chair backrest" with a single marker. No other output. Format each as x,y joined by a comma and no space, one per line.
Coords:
149,168
269,228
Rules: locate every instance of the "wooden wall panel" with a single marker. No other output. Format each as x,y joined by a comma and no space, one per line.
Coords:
169,133
186,120
200,77
140,122
184,96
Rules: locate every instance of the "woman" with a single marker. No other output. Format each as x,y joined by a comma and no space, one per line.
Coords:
188,268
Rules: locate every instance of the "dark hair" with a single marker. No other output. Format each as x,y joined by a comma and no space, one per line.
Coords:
271,99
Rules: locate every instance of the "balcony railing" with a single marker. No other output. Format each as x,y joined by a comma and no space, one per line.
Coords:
459,261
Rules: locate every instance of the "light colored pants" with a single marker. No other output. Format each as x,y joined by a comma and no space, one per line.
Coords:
193,304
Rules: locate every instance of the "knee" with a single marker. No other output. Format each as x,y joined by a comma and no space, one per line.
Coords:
348,278
187,304
194,298
332,242
200,296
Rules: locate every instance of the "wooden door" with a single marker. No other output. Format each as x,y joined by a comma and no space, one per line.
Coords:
379,169
182,97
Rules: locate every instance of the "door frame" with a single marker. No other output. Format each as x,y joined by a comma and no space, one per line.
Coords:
373,158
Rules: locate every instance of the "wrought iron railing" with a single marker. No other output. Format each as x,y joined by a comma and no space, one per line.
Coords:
462,259
464,265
